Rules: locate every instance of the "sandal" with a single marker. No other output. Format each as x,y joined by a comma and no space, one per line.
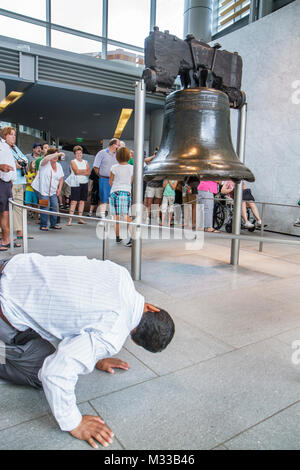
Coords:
20,237
3,248
56,227
212,230
81,222
16,245
44,229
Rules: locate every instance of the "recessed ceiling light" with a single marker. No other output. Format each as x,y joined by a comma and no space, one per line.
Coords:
124,118
10,99
84,132
96,114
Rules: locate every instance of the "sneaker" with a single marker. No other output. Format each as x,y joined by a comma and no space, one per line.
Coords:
297,224
129,244
90,214
258,224
118,240
248,225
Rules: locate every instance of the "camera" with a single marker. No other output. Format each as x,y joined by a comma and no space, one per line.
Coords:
23,167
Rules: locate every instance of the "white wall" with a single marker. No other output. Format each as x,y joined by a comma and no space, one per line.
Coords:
270,49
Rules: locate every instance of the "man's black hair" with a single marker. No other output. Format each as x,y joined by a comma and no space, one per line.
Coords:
155,331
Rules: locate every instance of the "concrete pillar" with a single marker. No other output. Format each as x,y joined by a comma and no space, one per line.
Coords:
156,127
198,19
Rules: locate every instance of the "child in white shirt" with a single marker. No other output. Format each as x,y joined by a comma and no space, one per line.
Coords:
121,178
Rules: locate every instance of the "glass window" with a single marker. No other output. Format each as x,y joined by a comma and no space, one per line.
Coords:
228,12
129,21
170,17
23,31
34,8
85,16
72,43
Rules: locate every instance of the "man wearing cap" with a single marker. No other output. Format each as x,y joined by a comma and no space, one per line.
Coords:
103,162
36,152
52,335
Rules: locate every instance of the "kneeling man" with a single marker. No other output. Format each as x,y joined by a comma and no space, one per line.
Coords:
61,317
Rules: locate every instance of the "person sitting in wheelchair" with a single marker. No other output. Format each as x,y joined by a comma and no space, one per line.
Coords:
247,202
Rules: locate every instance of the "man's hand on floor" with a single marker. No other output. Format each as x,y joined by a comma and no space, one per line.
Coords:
91,429
108,365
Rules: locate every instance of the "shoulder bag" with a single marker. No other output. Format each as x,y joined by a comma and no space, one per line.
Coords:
45,202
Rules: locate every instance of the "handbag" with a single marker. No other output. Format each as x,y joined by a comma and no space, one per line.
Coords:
45,202
72,180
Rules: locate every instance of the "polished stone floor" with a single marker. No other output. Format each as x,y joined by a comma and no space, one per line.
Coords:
227,381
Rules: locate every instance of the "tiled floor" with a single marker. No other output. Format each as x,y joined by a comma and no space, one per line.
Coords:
227,381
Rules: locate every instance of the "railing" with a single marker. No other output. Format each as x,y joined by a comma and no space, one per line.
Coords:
263,205
105,223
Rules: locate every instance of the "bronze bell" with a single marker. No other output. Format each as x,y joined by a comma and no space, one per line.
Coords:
196,139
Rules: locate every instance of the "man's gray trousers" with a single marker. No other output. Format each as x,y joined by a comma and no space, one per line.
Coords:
22,355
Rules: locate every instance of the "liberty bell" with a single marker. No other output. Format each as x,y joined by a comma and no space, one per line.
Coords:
196,139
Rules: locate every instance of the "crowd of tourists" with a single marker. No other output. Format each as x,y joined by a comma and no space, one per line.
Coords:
44,180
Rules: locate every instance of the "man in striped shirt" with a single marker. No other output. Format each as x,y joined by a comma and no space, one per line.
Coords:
63,316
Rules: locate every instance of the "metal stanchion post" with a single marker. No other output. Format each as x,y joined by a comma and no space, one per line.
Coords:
105,242
25,234
11,228
139,124
262,226
236,226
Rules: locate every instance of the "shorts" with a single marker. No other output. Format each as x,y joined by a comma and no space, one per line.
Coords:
31,197
66,190
154,192
5,195
168,201
120,203
104,189
247,195
79,193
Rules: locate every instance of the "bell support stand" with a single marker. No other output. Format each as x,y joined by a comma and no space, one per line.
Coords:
236,226
139,124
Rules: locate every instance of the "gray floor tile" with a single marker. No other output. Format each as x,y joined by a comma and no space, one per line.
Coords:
288,337
206,404
239,317
100,383
44,434
19,404
280,432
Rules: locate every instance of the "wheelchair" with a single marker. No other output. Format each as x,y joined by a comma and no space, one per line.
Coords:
223,214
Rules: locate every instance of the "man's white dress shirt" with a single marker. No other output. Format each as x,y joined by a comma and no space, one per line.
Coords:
86,308
7,158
